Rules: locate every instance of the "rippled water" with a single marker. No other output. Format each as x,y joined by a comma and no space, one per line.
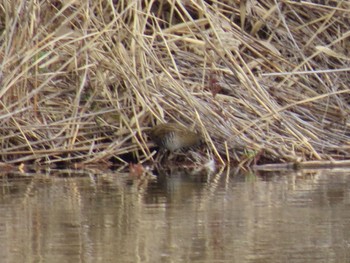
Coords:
175,217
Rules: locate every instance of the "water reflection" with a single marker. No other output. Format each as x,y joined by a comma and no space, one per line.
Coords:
177,216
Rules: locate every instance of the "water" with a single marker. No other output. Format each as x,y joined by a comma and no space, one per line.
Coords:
179,217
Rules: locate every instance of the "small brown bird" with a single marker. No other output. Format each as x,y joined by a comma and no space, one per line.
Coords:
172,136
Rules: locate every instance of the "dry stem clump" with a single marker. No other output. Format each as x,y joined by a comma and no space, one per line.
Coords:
261,80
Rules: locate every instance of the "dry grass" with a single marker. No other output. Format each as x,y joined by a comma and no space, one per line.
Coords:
267,80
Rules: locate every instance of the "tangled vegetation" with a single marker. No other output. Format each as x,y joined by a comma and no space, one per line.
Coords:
260,80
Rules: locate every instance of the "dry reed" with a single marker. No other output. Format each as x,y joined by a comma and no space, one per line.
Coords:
261,80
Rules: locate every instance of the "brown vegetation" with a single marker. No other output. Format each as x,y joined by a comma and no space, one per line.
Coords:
81,80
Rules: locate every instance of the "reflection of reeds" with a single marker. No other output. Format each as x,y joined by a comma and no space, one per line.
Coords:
82,82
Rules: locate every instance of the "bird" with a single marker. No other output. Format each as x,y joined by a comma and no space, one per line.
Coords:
172,136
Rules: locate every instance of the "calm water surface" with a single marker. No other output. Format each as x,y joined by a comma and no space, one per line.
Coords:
175,217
